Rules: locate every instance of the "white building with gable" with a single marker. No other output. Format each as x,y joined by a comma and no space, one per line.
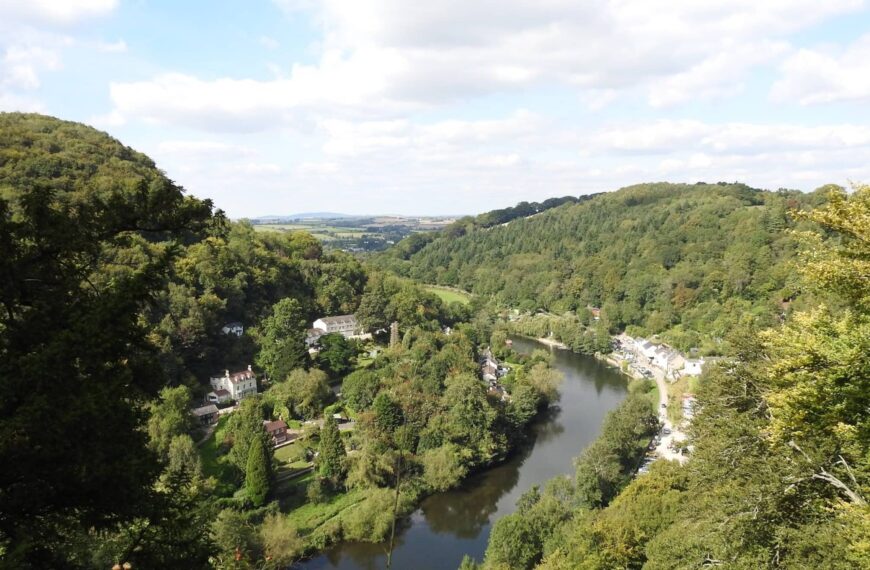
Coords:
240,385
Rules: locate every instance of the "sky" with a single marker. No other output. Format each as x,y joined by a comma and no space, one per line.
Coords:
452,106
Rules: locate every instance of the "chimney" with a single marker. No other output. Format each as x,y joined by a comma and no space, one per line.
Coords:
249,368
227,373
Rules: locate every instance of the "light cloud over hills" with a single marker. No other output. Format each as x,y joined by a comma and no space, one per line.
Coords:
385,105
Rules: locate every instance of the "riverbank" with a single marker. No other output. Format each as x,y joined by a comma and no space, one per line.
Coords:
551,342
447,525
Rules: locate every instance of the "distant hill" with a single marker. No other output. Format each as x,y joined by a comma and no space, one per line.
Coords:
304,216
686,261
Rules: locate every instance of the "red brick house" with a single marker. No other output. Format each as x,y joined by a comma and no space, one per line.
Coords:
277,430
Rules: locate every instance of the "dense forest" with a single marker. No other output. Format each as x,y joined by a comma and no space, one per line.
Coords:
780,475
683,261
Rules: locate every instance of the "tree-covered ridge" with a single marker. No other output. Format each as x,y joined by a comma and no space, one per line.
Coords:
115,285
687,260
779,477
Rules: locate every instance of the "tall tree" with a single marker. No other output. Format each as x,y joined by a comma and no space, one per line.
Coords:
258,474
332,461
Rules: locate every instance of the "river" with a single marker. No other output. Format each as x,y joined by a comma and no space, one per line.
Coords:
451,524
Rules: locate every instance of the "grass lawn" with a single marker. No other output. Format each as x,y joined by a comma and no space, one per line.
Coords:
290,453
449,295
213,465
308,516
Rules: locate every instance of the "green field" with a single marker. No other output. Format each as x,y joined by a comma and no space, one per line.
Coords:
450,295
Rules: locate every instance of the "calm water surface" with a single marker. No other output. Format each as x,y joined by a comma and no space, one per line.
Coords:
452,524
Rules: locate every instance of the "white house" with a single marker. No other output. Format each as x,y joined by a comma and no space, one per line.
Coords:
234,328
240,385
693,367
218,396
647,348
345,325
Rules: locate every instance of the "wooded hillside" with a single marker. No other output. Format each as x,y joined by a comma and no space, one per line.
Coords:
685,260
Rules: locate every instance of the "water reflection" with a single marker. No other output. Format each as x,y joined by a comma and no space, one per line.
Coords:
451,524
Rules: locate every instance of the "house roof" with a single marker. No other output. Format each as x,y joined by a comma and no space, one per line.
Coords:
235,376
233,324
274,426
205,410
239,376
338,320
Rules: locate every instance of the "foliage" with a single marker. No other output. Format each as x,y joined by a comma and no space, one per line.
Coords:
282,340
332,461
336,354
258,473
310,392
281,543
779,476
243,428
662,258
170,418
89,230
443,467
359,389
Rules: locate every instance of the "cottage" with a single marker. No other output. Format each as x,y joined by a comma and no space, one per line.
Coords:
218,396
240,385
234,328
206,414
277,430
345,325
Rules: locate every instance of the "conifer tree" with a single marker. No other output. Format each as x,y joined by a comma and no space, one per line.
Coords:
332,464
258,473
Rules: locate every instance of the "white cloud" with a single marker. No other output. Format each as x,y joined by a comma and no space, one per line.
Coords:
52,12
386,57
667,137
826,75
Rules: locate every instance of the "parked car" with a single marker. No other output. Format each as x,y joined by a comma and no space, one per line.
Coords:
664,405
666,431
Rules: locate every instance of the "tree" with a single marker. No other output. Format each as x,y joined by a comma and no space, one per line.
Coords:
442,467
170,417
336,354
88,230
281,542
183,456
258,474
512,544
388,414
359,389
244,426
232,534
282,340
310,390
332,461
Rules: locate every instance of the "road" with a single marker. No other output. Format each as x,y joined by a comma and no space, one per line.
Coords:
663,450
